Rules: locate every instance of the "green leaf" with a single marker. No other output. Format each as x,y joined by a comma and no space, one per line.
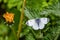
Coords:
3,29
10,37
1,38
29,37
0,0
12,3
5,1
19,5
25,31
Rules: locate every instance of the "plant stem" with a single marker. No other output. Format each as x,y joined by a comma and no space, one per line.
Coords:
56,37
21,20
13,32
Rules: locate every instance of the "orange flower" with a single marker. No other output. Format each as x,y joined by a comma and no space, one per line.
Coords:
9,17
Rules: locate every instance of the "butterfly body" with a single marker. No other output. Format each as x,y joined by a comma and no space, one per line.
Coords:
37,23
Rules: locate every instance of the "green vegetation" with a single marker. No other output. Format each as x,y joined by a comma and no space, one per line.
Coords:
32,9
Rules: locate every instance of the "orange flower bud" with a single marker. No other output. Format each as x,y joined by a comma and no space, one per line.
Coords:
9,17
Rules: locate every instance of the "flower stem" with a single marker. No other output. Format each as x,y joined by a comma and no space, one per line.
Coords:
21,20
14,33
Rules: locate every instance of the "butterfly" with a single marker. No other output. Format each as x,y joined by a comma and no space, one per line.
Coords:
37,24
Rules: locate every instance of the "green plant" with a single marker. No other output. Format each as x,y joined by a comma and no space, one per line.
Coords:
33,9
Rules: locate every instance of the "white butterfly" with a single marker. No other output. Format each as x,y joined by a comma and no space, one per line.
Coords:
37,23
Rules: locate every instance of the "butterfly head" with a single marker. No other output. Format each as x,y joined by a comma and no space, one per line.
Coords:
30,22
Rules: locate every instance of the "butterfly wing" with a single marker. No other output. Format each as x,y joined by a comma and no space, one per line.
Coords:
33,24
41,26
42,22
37,23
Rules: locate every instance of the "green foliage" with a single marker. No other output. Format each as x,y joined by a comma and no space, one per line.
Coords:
13,3
51,32
0,0
39,4
29,37
3,29
34,9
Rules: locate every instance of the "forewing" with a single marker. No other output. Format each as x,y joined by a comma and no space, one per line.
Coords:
44,20
33,24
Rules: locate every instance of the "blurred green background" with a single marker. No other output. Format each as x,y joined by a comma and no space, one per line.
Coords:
33,9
